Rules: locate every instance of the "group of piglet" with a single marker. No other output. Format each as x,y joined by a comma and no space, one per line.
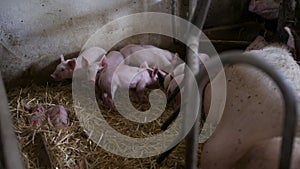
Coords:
135,67
56,116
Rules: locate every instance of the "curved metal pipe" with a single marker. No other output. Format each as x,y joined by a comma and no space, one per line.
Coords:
290,119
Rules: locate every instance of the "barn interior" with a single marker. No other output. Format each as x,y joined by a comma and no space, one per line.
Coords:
35,33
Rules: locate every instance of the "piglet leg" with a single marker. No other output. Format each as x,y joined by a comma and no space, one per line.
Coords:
140,88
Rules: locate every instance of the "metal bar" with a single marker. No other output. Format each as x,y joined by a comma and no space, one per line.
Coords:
197,17
174,12
186,4
290,119
11,154
192,138
191,150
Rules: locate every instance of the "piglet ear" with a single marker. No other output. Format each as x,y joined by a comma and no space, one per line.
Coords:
99,68
144,65
72,63
84,63
62,59
162,73
103,61
291,39
155,71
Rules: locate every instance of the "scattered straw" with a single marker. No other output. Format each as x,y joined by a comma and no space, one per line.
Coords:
70,147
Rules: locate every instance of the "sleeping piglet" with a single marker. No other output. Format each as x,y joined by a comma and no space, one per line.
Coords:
137,54
90,59
38,116
57,116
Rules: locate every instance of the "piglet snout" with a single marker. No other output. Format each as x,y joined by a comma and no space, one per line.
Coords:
55,77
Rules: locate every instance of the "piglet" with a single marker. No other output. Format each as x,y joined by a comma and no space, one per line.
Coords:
90,58
179,69
112,60
126,77
174,79
268,9
65,69
57,116
38,116
176,72
137,54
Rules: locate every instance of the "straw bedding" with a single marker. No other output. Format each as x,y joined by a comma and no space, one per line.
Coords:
71,147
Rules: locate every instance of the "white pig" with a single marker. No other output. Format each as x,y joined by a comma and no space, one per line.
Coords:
125,77
265,155
164,59
253,111
90,58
